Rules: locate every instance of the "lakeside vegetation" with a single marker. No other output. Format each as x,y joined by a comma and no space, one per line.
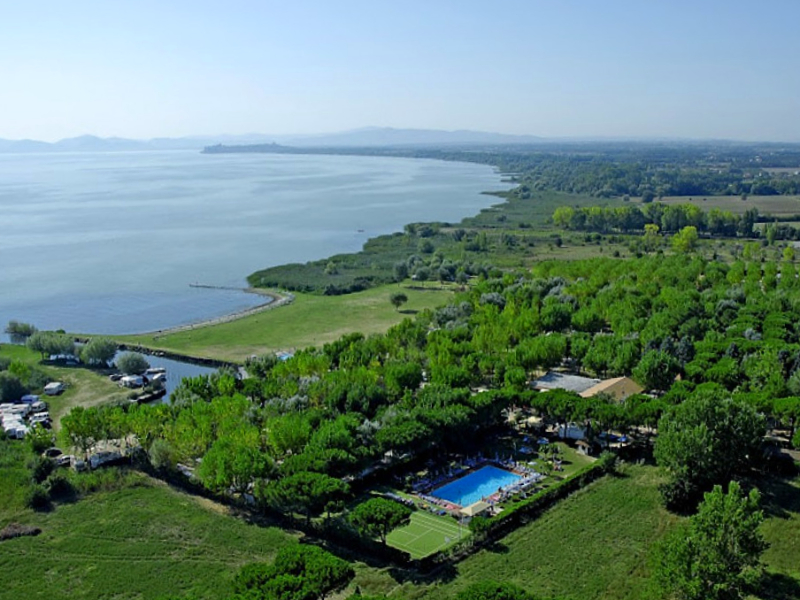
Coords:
706,325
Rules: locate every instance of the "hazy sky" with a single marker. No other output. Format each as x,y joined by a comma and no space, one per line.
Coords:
141,68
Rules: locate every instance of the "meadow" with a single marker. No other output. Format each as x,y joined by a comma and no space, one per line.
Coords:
145,540
311,320
778,206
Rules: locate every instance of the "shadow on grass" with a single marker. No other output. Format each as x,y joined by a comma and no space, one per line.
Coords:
408,311
779,498
777,586
497,548
443,574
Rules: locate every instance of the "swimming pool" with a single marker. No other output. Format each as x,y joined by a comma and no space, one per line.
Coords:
479,484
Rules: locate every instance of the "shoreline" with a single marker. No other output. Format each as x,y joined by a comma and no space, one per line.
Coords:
277,299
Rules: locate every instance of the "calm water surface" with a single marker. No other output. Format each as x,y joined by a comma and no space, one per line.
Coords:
109,243
176,371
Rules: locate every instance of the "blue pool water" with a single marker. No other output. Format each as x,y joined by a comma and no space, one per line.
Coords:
471,488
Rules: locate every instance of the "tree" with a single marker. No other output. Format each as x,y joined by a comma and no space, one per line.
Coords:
705,441
480,527
304,492
19,332
685,240
400,271
234,461
562,217
132,363
50,342
378,516
83,426
11,388
491,590
656,370
300,572
651,237
398,299
422,274
99,351
716,555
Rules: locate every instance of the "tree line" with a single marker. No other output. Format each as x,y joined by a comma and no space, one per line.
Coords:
296,428
666,218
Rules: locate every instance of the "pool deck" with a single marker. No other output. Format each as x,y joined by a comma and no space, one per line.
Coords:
424,489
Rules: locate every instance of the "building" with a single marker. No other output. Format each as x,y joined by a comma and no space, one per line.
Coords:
564,381
618,388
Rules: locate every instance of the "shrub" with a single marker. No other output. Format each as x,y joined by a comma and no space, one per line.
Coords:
37,498
41,468
59,487
607,462
162,455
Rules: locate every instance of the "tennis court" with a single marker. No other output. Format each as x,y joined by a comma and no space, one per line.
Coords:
426,534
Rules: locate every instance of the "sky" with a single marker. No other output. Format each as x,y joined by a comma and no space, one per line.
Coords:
557,68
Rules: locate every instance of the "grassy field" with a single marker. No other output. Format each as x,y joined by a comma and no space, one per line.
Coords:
84,386
147,540
773,205
426,534
595,545
141,542
311,320
782,530
592,545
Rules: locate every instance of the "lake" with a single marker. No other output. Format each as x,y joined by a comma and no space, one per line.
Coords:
110,242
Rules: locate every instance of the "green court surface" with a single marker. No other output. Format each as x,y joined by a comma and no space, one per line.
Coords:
426,534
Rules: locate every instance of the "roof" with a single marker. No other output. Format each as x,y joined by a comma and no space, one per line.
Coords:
475,509
564,381
620,387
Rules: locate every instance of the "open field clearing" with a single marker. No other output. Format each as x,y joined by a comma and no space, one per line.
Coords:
773,205
139,542
311,320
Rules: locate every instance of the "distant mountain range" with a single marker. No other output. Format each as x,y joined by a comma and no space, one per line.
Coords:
366,137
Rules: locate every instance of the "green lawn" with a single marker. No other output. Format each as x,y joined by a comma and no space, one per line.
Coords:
426,534
311,320
140,542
